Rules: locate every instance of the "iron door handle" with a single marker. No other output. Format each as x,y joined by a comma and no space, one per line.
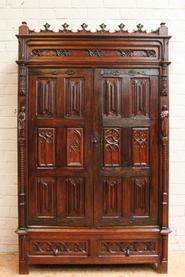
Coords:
94,139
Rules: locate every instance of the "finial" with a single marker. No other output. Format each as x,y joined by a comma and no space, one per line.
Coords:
46,28
65,28
84,28
103,26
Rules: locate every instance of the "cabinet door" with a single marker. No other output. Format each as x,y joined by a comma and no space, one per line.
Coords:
60,153
126,147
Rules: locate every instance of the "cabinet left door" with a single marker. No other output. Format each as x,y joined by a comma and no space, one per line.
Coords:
60,149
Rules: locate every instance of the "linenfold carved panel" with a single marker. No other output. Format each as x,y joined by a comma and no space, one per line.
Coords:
46,197
140,96
46,147
74,97
75,147
111,196
140,196
111,96
140,146
112,146
64,248
75,196
45,97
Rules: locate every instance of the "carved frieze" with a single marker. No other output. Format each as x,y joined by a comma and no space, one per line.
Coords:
50,52
138,53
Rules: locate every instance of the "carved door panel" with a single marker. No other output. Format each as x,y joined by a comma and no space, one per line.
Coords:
126,152
60,153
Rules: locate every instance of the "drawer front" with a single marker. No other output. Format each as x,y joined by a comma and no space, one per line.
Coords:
59,247
128,248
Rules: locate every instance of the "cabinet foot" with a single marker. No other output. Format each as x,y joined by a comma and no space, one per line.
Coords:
162,267
23,267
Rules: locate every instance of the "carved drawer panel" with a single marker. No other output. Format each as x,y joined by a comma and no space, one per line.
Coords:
59,247
127,248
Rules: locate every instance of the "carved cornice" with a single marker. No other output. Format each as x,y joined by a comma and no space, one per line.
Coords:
162,30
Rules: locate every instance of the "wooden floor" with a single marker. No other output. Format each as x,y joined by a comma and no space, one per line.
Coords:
9,268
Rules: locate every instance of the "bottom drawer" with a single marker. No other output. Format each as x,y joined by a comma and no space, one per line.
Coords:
127,247
59,247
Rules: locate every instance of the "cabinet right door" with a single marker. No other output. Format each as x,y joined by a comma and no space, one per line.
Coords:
126,181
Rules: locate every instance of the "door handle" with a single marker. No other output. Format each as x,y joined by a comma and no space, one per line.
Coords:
94,139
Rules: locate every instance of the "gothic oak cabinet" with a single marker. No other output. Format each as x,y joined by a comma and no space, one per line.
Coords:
93,146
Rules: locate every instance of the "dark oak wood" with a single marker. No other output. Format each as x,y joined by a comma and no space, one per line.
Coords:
93,146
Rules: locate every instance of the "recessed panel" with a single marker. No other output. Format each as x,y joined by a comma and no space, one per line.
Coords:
111,196
75,147
46,197
140,96
45,97
140,196
46,147
140,146
111,96
74,97
75,197
112,146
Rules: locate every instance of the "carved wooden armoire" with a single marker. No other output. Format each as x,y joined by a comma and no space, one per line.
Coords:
93,146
